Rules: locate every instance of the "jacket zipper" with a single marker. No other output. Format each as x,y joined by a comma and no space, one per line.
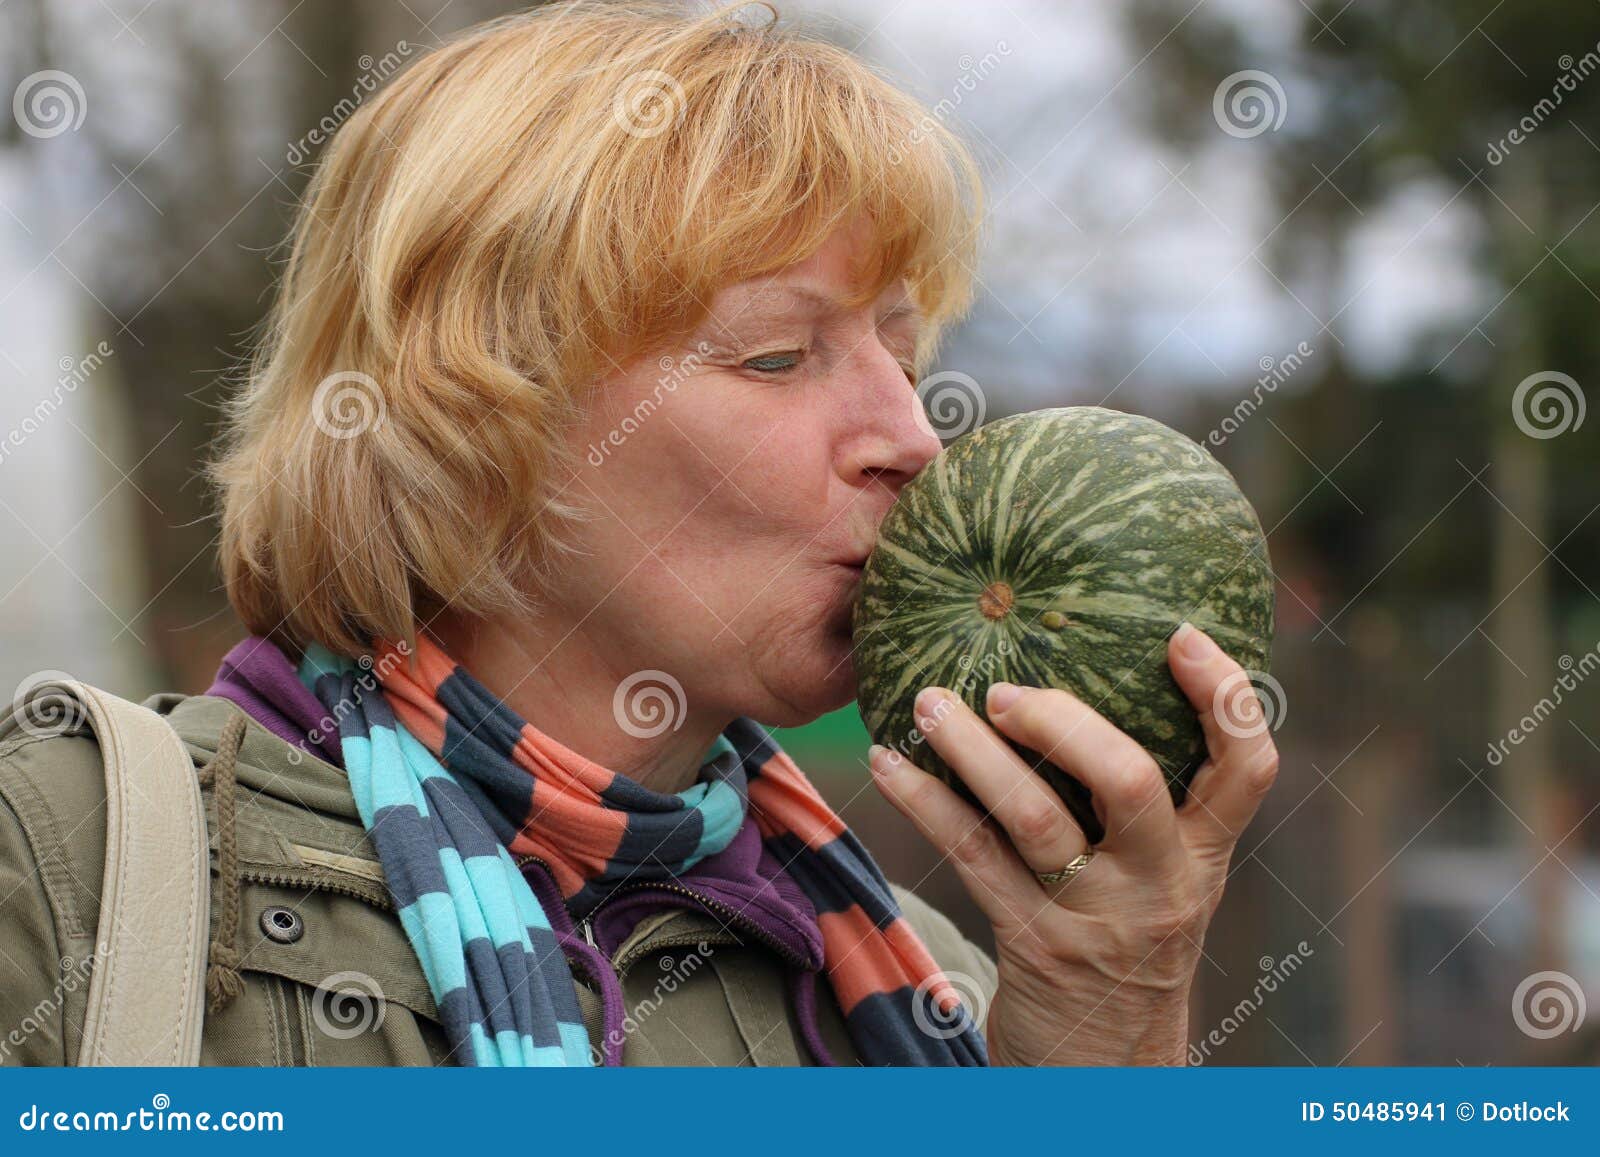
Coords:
715,907
299,878
687,940
296,878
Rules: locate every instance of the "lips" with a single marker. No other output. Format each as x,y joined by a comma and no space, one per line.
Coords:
855,554
852,573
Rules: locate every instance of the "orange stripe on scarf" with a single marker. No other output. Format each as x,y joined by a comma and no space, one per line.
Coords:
863,962
784,801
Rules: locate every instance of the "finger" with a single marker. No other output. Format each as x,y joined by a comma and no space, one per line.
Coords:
993,873
1038,823
1139,817
1244,760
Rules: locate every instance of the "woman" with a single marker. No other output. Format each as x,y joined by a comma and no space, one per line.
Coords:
590,378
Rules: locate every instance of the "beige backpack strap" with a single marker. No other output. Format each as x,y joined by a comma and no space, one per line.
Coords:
147,988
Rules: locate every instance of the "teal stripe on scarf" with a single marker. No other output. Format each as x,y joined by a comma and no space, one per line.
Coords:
485,912
474,930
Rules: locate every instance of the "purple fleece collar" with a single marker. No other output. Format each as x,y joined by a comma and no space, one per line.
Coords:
259,677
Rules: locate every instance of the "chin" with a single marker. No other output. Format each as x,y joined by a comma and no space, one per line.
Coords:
824,681
835,684
841,692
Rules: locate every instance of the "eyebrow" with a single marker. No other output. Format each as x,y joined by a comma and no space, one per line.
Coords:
778,294
906,308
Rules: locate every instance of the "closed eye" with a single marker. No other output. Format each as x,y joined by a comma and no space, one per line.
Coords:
775,363
781,363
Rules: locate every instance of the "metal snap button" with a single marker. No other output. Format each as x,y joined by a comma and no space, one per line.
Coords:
282,924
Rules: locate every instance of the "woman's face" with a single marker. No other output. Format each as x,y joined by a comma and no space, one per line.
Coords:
736,484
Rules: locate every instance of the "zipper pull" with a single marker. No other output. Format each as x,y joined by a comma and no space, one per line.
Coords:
586,926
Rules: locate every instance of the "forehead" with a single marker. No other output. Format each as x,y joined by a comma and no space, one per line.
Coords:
835,276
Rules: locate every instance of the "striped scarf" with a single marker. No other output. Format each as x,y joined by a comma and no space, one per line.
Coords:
450,784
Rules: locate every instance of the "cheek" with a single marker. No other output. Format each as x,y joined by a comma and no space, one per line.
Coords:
754,473
786,466
649,474
728,487
761,535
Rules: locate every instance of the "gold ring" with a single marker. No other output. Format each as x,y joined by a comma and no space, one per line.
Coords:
1062,875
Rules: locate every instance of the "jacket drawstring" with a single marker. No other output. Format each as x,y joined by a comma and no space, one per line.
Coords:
223,981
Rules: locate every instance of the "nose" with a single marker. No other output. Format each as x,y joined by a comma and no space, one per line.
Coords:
887,437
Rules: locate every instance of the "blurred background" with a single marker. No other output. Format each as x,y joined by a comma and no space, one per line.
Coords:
1353,247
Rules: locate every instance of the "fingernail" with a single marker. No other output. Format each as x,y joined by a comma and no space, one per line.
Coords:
1001,696
927,701
1193,642
881,759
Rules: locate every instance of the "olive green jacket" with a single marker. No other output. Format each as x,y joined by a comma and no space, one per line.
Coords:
329,977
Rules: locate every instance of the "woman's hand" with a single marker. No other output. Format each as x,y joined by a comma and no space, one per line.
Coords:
1095,970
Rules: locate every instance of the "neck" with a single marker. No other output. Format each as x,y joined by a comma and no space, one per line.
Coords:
559,680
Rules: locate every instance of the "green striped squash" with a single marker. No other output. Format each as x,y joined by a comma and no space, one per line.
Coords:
1061,548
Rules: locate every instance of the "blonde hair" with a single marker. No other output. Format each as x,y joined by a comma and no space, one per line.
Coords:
515,214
